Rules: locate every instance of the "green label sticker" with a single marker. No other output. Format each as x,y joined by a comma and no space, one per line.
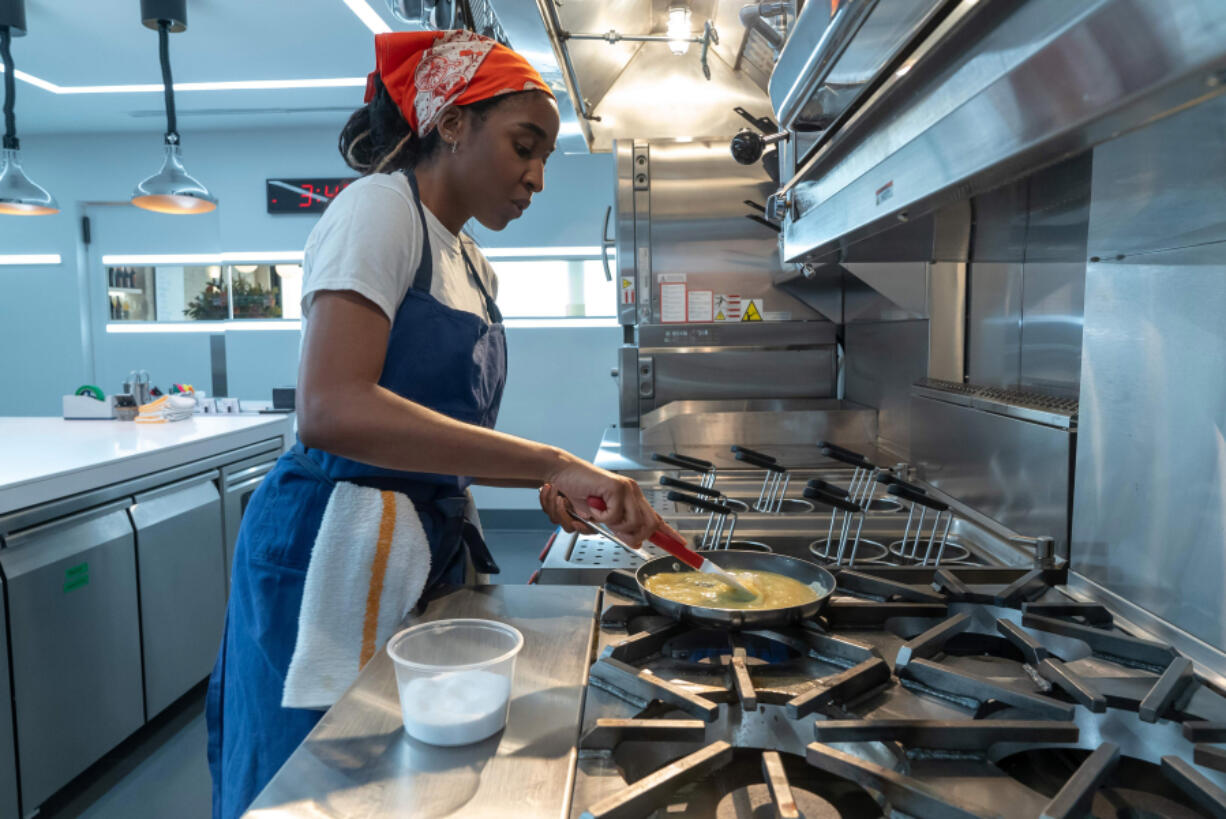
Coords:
76,576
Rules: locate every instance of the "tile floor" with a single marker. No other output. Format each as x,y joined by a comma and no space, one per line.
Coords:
162,772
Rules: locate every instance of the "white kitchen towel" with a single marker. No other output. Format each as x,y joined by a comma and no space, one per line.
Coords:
368,567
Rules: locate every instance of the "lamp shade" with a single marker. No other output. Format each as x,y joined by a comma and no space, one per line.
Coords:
19,196
173,189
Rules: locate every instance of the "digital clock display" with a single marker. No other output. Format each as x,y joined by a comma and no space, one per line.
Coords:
303,195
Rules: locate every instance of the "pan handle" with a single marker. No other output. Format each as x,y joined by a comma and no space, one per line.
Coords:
697,463
831,500
706,505
886,479
753,453
677,462
686,486
915,497
759,462
827,487
624,583
851,460
851,453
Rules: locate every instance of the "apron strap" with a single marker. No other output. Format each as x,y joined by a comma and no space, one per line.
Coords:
458,535
491,309
299,453
424,276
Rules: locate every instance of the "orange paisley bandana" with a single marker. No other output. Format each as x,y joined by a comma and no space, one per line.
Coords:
425,71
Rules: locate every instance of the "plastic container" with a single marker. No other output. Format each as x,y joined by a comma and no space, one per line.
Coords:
454,678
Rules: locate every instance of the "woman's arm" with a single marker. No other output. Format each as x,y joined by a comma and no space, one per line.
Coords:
343,410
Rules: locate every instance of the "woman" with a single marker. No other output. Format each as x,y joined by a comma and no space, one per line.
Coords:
403,365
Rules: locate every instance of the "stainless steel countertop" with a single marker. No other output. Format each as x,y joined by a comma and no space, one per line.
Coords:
358,761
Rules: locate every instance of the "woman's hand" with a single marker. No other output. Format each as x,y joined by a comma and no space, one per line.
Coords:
626,511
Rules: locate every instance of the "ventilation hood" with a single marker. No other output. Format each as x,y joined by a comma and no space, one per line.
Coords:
626,89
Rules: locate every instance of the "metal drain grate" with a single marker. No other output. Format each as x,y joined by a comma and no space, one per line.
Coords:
597,551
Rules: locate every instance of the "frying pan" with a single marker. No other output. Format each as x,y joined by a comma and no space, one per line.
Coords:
808,573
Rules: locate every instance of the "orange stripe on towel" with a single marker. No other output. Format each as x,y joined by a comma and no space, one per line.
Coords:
387,525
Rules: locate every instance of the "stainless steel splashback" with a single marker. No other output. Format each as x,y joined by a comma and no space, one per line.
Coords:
1149,515
1015,471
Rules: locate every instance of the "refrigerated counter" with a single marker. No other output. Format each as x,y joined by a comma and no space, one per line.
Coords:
115,547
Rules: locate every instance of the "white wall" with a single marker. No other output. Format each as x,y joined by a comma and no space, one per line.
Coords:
52,331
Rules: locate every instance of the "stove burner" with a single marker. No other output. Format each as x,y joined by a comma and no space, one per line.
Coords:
708,645
1135,789
751,784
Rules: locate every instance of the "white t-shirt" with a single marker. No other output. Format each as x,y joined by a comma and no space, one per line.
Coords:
369,241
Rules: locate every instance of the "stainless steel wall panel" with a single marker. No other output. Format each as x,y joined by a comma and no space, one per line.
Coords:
1161,187
756,422
8,742
698,222
1149,518
1053,282
181,564
75,644
1053,302
1150,503
743,374
994,334
1015,472
882,360
947,320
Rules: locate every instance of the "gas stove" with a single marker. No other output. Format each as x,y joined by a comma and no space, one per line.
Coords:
928,692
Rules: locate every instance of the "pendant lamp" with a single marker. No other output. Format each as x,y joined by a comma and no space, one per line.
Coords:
172,189
19,195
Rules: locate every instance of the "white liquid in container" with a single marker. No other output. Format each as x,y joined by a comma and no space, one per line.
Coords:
456,708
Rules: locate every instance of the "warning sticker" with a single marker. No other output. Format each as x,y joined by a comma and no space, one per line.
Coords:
672,303
727,307
627,291
698,306
752,311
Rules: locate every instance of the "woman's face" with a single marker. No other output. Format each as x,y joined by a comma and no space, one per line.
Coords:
501,159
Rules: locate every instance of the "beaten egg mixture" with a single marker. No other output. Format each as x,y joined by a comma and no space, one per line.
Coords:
771,590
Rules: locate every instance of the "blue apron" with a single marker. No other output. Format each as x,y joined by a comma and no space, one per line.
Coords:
446,359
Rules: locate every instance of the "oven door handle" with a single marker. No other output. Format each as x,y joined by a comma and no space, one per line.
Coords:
606,243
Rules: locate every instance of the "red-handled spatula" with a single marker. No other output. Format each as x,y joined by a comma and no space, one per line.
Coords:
679,550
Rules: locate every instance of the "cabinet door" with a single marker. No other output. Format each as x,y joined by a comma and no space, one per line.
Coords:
240,485
8,748
75,643
182,585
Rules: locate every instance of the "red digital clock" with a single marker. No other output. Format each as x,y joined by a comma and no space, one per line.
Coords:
303,195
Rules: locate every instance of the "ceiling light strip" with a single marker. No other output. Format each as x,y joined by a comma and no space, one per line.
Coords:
581,252
263,256
26,259
162,258
233,85
368,16
244,325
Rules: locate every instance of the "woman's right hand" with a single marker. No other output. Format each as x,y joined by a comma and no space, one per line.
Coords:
626,511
